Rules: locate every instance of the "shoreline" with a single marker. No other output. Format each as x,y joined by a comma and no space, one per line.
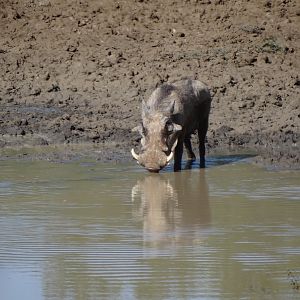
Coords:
20,148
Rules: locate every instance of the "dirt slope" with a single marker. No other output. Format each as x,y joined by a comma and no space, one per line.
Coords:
76,71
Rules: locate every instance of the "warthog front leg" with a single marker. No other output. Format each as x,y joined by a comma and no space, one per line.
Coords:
178,155
187,143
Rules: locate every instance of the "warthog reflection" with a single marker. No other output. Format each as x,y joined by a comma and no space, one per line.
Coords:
175,206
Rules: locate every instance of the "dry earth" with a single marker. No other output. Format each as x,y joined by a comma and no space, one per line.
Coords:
76,71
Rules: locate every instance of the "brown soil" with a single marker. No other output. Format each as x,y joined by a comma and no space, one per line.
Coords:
75,71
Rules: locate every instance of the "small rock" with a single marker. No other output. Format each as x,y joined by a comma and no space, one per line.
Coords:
72,48
252,29
24,122
106,63
268,4
278,101
267,60
82,23
232,81
47,76
36,92
54,88
223,130
251,61
66,117
223,89
17,15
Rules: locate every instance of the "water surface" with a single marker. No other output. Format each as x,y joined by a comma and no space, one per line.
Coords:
87,230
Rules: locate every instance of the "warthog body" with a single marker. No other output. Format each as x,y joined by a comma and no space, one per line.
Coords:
169,117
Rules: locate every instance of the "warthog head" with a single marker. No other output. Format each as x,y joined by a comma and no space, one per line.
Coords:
159,138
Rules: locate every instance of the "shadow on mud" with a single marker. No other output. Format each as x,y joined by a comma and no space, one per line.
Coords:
220,160
212,161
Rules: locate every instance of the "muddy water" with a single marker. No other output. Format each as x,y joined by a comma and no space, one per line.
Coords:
98,231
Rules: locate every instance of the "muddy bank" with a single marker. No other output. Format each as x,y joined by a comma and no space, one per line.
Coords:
76,71
268,157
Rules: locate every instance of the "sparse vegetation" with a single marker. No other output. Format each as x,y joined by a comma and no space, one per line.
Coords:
270,45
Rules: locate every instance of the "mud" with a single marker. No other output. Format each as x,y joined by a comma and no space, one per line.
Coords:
75,72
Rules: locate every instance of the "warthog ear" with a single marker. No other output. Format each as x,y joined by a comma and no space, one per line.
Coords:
177,127
172,127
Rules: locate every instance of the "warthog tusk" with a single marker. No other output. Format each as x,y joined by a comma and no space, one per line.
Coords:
170,157
172,152
135,156
174,145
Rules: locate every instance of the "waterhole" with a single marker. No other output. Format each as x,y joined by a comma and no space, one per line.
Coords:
86,230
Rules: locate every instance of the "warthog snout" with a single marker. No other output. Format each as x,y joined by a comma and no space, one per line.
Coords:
153,160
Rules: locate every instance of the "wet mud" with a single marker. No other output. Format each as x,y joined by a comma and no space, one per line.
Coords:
75,72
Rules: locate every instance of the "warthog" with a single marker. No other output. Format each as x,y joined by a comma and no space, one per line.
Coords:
169,117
